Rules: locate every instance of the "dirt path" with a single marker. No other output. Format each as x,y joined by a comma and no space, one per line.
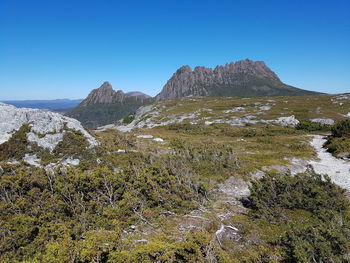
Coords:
337,169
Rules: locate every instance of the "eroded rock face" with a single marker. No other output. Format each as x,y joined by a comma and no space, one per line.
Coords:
242,78
104,95
46,128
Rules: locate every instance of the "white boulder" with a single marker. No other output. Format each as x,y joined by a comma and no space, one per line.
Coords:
145,136
323,121
46,128
32,160
287,121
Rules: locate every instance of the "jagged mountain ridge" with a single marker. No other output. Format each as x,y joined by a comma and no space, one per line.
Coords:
242,78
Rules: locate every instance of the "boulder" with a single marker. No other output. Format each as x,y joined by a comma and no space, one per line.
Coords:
287,121
326,121
46,128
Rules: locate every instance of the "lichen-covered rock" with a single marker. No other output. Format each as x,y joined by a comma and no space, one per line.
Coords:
46,128
287,121
323,121
32,160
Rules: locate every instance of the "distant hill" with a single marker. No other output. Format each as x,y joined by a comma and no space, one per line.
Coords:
59,105
243,78
137,94
105,105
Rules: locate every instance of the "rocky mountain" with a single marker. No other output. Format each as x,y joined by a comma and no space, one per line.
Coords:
105,105
242,78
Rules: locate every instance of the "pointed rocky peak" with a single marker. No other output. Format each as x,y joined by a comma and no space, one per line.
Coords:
106,85
104,106
103,95
183,69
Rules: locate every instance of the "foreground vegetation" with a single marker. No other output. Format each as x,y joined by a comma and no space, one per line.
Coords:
133,199
74,216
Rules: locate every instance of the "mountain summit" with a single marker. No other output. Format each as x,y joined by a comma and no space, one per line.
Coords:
242,78
105,94
104,105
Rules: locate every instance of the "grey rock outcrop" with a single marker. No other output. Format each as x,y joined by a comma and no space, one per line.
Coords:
46,128
326,121
242,78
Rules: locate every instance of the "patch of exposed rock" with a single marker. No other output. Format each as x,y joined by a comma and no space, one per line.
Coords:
326,121
148,117
32,160
46,128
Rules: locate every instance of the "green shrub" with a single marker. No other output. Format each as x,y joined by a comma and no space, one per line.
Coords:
129,118
16,146
324,235
250,133
339,142
316,243
341,129
308,191
309,126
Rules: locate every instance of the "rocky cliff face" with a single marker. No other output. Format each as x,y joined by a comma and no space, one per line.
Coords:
105,105
242,78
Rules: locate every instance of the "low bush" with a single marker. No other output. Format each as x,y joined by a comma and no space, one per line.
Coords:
341,129
129,118
16,146
310,126
339,142
324,237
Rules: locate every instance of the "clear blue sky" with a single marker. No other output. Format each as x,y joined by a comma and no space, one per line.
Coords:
65,48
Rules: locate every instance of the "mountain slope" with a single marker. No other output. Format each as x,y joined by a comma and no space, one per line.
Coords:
242,78
105,105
